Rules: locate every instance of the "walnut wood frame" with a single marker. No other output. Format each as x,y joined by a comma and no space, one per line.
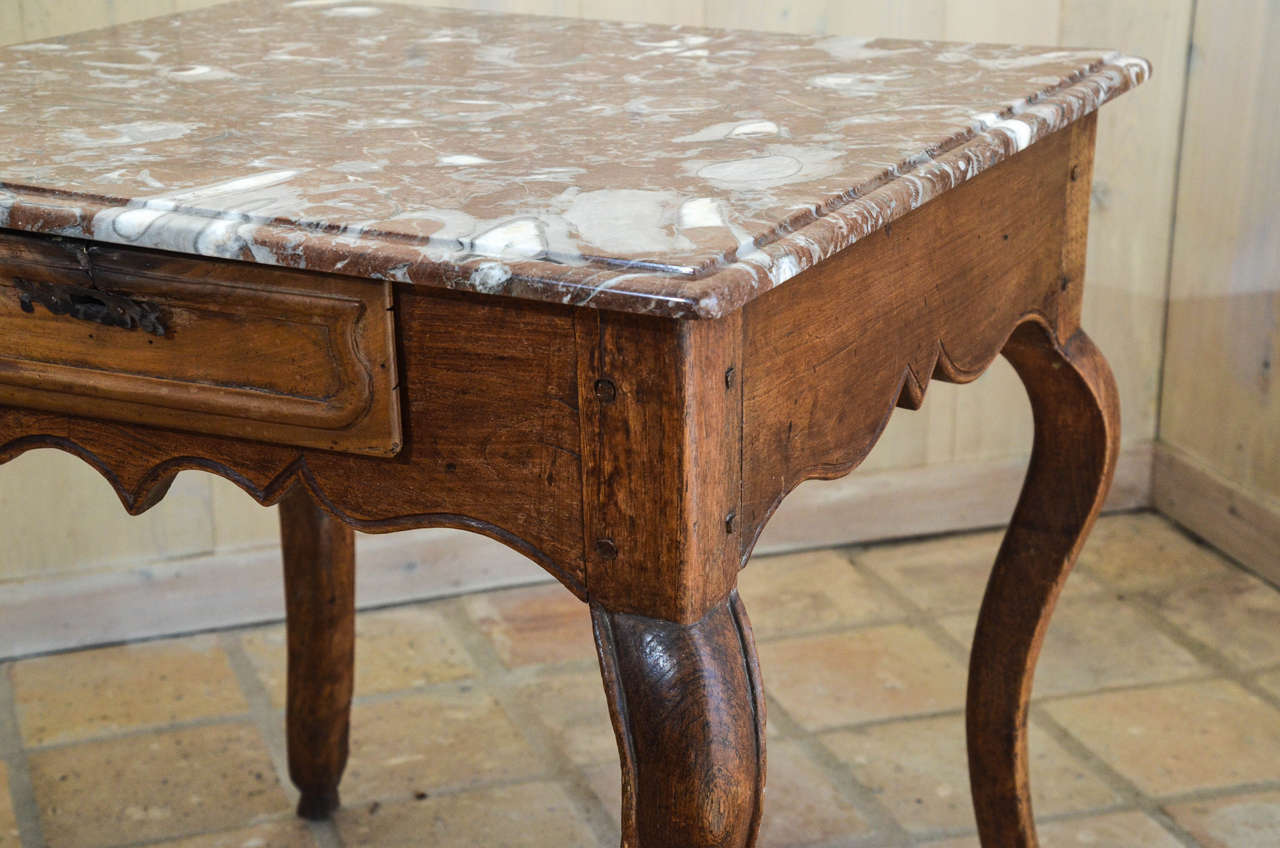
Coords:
638,458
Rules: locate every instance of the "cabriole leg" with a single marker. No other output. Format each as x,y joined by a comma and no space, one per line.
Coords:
1077,431
688,711
319,582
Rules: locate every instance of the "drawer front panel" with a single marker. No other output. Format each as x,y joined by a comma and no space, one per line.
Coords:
214,347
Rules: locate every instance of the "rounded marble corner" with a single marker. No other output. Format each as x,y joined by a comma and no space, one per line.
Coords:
677,202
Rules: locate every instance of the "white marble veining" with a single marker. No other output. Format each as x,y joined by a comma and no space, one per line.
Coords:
646,168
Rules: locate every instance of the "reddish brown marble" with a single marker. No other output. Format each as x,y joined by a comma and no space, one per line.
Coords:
654,169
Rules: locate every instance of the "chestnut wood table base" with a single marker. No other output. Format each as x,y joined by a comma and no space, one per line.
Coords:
635,457
1077,437
688,712
320,614
686,700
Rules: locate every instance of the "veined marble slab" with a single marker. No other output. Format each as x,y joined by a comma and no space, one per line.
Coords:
666,170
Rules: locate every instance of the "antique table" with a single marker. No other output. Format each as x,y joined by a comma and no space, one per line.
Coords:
602,292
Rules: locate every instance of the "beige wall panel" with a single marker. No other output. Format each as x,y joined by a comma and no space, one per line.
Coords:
241,525
61,516
43,19
984,421
784,16
564,8
10,22
1129,234
188,5
868,18
49,18
652,11
917,437
993,416
887,18
1012,21
238,520
1222,391
1131,217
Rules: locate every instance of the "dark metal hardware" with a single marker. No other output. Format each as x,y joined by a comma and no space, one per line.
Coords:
87,304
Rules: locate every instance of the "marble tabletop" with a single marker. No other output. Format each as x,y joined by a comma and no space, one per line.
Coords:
667,170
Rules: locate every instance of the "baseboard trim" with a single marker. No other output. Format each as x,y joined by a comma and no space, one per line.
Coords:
1241,523
237,588
926,501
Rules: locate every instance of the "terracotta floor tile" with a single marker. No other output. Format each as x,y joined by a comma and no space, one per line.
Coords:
396,649
406,647
1235,613
527,815
1245,821
919,770
1144,552
482,784
1115,830
809,591
802,805
1271,682
949,574
1099,643
8,821
80,695
268,652
290,832
955,842
154,786
534,625
425,743
605,780
946,574
574,708
882,672
1178,738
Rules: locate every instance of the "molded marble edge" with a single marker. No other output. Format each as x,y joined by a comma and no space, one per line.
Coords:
700,294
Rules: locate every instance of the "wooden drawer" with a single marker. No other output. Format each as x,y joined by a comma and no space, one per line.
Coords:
215,347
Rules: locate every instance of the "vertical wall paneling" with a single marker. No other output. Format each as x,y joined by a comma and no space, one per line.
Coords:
50,18
60,517
1012,21
1220,410
1133,192
645,11
864,18
1219,402
239,522
10,21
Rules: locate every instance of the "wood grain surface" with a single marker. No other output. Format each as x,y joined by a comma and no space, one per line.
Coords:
232,349
1129,244
1221,402
828,356
688,710
661,423
491,440
638,457
1077,416
320,603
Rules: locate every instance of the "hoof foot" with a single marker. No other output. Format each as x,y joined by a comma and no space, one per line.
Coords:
317,807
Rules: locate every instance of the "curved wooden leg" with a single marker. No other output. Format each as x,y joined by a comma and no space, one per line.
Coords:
689,714
1077,431
319,584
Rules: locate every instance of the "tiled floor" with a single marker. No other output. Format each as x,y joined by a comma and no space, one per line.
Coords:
480,720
